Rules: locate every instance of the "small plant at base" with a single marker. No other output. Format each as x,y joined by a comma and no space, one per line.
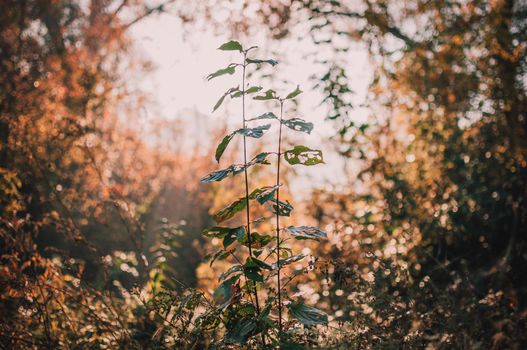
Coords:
237,296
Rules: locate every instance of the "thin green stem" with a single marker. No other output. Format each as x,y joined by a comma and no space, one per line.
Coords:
278,219
244,274
248,212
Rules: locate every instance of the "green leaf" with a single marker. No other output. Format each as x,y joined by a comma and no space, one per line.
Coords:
257,240
224,293
240,204
222,98
253,267
217,175
254,262
269,304
303,155
254,274
298,124
216,232
266,194
231,46
230,210
290,260
306,232
268,115
258,61
230,69
230,271
222,146
250,90
232,236
253,89
255,132
218,103
221,174
235,169
219,255
281,208
294,93
237,94
307,315
268,95
242,331
260,158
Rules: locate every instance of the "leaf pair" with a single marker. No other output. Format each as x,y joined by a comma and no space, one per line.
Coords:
222,98
250,90
255,132
236,46
232,92
235,169
261,194
271,95
267,95
296,124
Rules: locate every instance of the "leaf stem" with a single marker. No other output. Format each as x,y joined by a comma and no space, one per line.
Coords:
248,212
280,328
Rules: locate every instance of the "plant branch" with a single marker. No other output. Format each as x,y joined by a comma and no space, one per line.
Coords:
247,207
278,220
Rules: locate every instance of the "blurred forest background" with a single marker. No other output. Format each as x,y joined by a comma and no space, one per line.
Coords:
424,200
